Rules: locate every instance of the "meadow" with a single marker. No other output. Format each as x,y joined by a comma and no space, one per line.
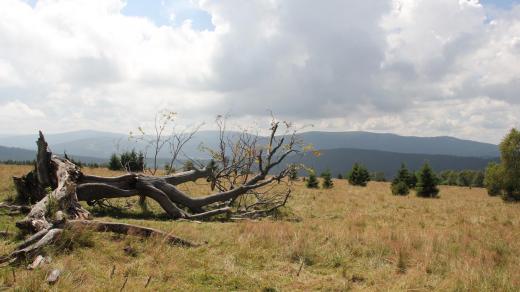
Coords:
344,238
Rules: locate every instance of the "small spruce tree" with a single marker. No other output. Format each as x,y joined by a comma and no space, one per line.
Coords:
132,161
358,176
327,180
188,165
426,182
114,163
312,181
400,184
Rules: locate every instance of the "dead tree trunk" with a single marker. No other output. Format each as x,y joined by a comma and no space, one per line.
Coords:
58,185
60,208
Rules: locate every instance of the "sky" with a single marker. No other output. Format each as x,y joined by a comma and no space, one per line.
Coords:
411,67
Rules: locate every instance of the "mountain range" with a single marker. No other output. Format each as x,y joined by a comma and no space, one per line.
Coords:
379,152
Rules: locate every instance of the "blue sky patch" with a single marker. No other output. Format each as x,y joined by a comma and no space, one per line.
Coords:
169,12
505,4
165,12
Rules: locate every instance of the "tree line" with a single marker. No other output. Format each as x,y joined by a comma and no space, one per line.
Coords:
500,178
405,179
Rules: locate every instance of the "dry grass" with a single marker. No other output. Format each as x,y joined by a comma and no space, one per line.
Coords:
347,238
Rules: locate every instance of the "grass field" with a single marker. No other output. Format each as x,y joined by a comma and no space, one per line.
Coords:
343,238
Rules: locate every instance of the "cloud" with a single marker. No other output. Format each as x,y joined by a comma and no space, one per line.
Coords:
16,116
426,67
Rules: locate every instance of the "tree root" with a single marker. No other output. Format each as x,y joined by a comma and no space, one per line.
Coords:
32,246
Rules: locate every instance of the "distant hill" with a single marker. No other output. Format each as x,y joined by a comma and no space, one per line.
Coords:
341,161
11,153
400,144
336,160
102,144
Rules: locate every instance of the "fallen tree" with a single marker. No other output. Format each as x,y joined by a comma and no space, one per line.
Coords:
241,171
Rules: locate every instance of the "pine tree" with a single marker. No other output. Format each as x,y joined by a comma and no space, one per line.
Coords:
312,181
427,182
400,184
327,180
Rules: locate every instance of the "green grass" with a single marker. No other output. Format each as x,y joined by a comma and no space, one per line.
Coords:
347,238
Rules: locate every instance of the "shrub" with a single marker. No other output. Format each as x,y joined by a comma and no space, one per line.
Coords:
427,182
504,178
510,161
327,180
478,180
465,178
400,188
358,176
493,179
449,177
312,181
340,176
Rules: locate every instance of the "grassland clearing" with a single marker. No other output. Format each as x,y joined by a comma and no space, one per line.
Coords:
342,238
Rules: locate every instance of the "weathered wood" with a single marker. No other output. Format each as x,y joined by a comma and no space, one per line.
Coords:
44,166
29,251
62,198
36,263
53,276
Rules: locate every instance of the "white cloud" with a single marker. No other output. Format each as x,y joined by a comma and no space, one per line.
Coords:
428,67
17,109
16,116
